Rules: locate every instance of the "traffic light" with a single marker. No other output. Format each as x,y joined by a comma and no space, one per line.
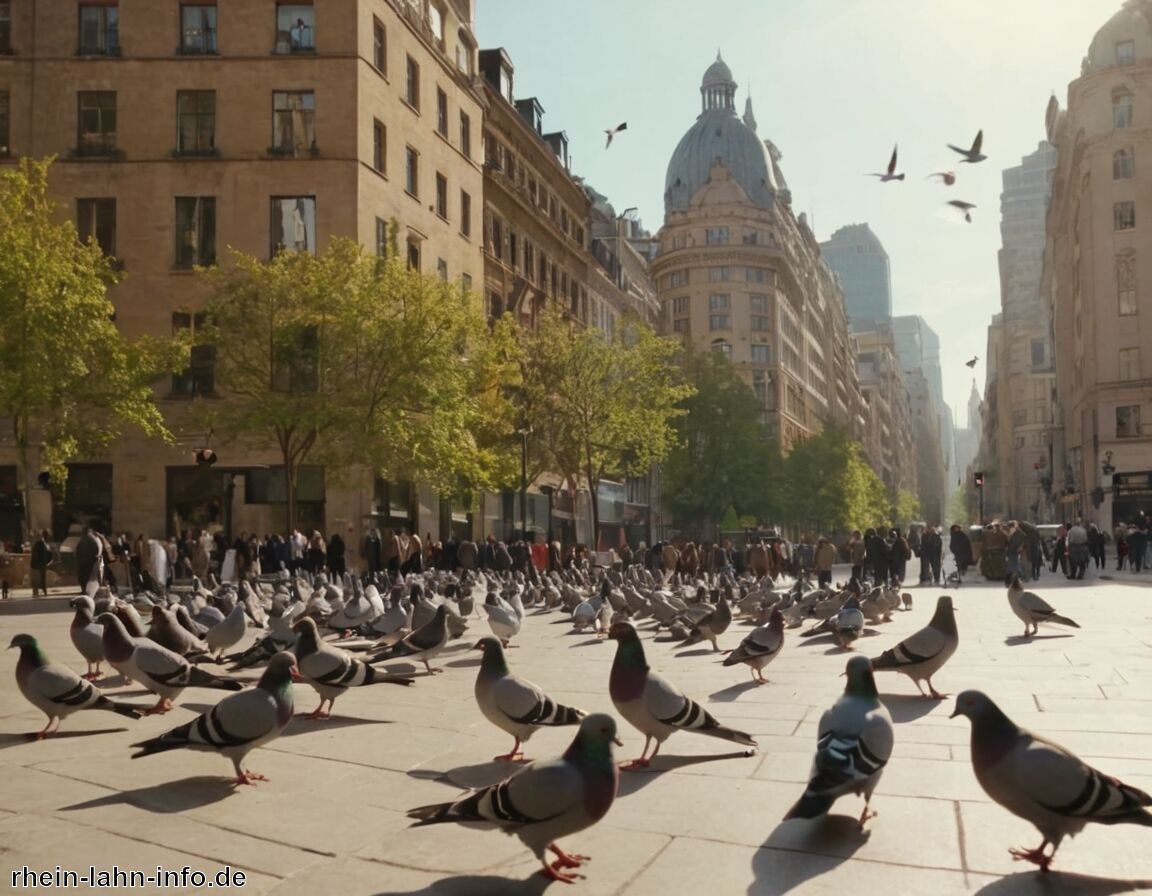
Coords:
205,457
978,479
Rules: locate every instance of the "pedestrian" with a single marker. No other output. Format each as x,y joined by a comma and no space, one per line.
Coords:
822,559
336,561
372,546
876,555
931,554
1096,545
899,553
42,560
1060,551
856,554
960,546
1137,544
1077,551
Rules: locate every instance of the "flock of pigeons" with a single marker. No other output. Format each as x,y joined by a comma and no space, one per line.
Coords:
336,636
974,154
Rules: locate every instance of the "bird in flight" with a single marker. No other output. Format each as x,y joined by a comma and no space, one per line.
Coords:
613,132
973,154
948,177
972,363
890,174
965,207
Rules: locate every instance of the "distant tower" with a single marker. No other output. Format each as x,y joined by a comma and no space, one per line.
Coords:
859,260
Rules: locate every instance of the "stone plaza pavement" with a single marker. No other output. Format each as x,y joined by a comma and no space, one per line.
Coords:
331,819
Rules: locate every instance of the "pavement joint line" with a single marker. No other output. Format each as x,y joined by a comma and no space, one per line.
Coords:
1036,700
961,840
670,839
855,857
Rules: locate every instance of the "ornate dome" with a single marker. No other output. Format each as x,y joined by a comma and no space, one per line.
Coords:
1125,39
719,135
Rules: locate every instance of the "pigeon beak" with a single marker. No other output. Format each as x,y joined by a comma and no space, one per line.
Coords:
617,741
955,713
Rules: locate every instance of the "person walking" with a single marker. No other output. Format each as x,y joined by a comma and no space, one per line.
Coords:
823,558
960,547
931,554
42,559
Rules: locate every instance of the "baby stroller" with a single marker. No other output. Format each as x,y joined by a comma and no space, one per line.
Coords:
953,578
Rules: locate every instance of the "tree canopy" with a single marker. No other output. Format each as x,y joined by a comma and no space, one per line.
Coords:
69,379
830,487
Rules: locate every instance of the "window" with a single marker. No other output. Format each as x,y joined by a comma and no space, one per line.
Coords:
412,171
100,30
719,322
442,113
760,275
1124,215
199,377
295,28
761,323
719,275
414,254
195,231
1128,421
269,486
1039,354
680,305
723,348
381,237
1123,163
96,220
758,304
1121,109
466,283
5,28
465,214
379,46
715,236
198,30
196,122
676,279
719,301
296,360
441,195
293,224
442,269
5,149
761,354
97,122
1126,283
1129,364
1125,52
466,134
1019,417
292,122
412,84
463,53
379,146
680,325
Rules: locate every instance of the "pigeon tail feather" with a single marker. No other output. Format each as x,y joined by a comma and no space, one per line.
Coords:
811,805
1061,620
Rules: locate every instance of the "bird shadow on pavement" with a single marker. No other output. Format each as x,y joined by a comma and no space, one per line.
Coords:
302,724
482,774
1058,883
706,651
589,642
799,850
467,663
730,693
479,885
169,797
907,707
1017,640
633,780
28,737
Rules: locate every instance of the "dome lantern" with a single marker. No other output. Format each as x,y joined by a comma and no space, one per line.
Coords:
717,89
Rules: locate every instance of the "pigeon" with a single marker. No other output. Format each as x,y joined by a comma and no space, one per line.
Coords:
907,599
1042,782
1031,608
513,704
971,155
921,655
853,744
623,126
503,618
228,633
165,630
547,799
965,207
56,690
948,178
972,363
890,174
331,671
761,646
848,623
87,636
422,644
159,669
652,705
239,723
713,624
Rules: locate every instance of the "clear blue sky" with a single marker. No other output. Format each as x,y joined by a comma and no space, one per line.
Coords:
834,83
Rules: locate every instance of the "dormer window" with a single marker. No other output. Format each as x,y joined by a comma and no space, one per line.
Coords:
1125,52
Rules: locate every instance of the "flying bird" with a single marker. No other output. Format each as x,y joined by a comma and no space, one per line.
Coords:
948,177
972,363
965,207
890,174
1042,782
973,154
623,126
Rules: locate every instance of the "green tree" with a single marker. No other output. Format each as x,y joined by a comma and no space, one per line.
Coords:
70,381
907,508
349,360
600,404
830,487
724,457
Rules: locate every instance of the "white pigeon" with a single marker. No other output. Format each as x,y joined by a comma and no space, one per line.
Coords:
854,743
974,154
503,618
227,633
547,799
87,636
514,704
1042,782
56,690
1031,608
239,723
760,647
922,654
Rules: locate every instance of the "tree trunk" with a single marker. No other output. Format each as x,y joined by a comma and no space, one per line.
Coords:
289,493
23,473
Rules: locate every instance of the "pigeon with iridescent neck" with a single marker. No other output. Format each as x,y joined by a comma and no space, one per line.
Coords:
423,644
922,654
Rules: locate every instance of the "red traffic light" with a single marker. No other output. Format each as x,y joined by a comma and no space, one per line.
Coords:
205,457
978,479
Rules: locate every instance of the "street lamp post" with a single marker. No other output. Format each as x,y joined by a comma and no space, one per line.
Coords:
524,432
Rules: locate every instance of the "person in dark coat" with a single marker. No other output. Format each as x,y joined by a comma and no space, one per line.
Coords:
931,554
372,545
88,553
960,547
899,553
336,562
876,556
466,554
41,560
501,558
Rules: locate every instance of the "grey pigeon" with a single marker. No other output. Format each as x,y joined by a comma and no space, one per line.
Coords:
848,623
1032,609
712,624
974,154
652,705
423,644
890,172
760,647
1042,782
921,655
239,723
331,671
167,631
227,633
56,690
87,636
513,704
854,742
547,799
